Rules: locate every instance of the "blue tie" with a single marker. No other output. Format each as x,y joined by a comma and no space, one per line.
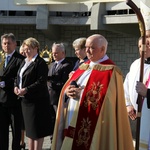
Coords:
7,60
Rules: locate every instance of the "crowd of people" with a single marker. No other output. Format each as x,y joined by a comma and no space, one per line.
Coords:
77,105
35,96
83,105
94,115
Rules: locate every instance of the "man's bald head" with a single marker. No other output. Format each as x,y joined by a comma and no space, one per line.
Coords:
99,40
96,47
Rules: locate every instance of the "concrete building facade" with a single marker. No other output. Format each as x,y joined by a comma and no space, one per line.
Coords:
66,22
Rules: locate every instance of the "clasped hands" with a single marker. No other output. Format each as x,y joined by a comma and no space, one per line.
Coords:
20,92
73,92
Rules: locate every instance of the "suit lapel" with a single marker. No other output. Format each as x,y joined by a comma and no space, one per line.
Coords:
51,68
29,68
60,65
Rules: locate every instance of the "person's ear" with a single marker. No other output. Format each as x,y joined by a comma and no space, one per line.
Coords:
103,48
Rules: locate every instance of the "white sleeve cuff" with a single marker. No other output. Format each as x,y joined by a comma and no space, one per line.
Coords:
2,84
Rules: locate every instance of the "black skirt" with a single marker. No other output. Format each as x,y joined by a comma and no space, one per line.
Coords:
38,119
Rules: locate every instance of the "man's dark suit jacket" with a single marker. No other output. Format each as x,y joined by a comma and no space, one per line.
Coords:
58,79
7,96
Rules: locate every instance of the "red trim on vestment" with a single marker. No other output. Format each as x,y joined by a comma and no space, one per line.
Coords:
90,107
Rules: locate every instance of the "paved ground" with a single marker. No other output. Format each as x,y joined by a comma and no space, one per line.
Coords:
46,144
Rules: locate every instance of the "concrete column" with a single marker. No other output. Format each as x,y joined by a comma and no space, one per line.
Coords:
42,17
97,12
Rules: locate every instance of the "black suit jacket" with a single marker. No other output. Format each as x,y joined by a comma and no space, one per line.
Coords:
78,63
58,79
34,79
7,96
35,103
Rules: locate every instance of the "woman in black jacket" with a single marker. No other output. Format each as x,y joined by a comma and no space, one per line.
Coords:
31,88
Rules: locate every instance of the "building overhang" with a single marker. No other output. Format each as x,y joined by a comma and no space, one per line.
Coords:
113,15
107,20
120,19
43,2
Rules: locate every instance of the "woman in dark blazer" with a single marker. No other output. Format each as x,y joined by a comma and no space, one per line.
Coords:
31,88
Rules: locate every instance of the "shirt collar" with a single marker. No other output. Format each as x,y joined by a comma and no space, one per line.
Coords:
32,60
58,62
99,61
9,54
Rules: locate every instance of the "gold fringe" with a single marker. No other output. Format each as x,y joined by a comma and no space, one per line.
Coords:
100,67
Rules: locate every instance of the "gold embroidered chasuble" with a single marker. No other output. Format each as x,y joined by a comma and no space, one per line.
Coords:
100,120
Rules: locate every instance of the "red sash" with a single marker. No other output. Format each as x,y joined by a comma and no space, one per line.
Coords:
89,110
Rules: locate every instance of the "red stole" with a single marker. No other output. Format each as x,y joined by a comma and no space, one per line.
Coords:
90,107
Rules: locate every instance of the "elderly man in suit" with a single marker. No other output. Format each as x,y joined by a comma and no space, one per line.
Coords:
10,108
58,73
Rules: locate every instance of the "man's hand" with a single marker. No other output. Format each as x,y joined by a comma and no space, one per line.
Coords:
131,112
73,92
71,73
141,89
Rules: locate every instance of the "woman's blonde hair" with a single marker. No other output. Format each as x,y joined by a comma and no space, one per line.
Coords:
31,42
79,43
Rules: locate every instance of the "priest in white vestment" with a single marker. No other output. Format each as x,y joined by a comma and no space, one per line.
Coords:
131,80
